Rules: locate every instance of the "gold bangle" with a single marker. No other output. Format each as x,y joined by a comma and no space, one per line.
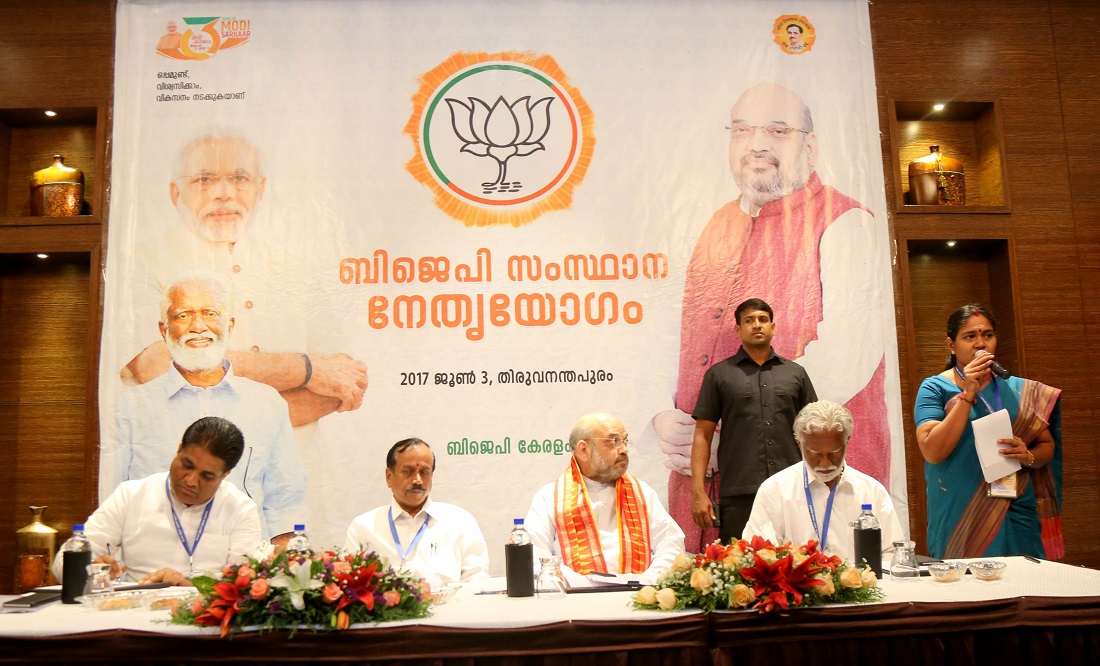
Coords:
969,402
1030,459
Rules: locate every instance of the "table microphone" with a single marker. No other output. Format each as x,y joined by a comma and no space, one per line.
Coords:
996,367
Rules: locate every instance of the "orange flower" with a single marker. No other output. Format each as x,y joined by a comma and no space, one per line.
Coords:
392,597
259,588
331,593
196,607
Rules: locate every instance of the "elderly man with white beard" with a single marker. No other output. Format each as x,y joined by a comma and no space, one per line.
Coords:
195,324
820,497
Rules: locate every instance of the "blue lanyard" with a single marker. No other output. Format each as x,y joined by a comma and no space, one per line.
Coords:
822,536
397,539
996,392
179,528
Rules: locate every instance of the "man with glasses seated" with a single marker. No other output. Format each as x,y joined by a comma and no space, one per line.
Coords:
439,542
599,518
819,497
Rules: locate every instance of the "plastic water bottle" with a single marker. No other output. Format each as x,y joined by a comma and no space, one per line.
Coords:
76,555
519,562
299,543
868,540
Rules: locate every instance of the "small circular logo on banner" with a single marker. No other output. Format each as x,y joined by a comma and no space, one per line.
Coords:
500,138
794,34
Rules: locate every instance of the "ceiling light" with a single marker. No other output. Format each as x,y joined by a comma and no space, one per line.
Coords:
51,113
42,255
950,243
937,107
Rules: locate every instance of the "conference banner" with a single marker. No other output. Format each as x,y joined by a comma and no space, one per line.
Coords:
473,223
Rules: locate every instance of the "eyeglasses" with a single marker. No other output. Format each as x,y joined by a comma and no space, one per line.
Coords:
616,442
188,316
201,182
775,132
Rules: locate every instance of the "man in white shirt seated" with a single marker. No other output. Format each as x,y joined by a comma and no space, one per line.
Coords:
439,542
599,518
781,511
180,523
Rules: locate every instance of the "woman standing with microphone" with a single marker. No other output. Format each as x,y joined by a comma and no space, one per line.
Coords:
968,517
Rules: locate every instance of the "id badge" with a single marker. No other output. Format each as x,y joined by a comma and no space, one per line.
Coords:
1004,487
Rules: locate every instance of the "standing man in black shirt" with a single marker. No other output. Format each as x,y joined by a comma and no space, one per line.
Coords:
756,394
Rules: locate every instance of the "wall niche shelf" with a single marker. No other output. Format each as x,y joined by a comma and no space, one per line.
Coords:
28,141
969,131
940,278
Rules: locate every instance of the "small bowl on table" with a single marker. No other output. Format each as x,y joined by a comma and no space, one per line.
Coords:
947,572
987,569
443,593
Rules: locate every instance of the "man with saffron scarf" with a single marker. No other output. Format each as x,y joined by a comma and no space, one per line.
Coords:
599,518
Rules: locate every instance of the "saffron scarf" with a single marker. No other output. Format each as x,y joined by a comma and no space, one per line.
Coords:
981,520
579,535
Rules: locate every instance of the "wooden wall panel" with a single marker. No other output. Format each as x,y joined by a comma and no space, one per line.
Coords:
1076,29
1016,53
44,351
60,50
59,55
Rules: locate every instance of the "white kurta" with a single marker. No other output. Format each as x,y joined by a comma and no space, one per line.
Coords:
666,537
451,549
780,512
137,520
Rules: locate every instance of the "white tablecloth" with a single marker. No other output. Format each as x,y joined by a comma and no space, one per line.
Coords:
470,610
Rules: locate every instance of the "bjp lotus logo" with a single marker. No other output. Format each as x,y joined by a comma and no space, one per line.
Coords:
500,138
501,132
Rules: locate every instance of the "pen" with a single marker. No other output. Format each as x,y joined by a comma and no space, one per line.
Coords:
1032,559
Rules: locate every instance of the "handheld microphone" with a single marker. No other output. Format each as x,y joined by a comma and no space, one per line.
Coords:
996,367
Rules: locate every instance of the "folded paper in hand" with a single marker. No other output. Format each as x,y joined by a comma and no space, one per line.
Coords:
987,430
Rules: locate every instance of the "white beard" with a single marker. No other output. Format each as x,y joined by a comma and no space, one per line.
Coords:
196,359
826,475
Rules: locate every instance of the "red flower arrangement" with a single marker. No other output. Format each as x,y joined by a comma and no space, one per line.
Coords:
322,591
759,574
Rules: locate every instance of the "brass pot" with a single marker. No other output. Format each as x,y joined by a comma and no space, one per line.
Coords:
35,546
57,190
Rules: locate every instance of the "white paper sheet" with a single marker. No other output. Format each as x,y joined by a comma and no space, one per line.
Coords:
987,430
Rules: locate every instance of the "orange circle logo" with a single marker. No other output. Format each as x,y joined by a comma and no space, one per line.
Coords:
794,34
